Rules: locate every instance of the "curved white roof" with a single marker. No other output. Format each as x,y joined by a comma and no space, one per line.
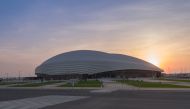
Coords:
90,62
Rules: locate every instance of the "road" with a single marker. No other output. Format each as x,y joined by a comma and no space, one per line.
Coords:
85,99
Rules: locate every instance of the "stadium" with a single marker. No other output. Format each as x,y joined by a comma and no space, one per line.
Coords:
83,64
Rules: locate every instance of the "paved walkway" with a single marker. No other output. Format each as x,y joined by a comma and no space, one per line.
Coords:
110,86
55,85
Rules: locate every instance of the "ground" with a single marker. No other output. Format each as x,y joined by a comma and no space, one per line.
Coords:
177,80
113,95
145,84
122,99
35,84
84,83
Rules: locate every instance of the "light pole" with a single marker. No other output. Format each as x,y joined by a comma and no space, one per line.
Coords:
7,76
1,76
19,76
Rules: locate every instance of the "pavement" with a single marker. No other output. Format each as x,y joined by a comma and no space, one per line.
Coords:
84,99
37,102
112,96
110,86
53,85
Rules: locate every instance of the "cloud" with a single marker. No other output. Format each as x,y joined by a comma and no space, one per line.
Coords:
134,28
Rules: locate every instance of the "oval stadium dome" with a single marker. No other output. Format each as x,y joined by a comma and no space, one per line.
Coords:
91,64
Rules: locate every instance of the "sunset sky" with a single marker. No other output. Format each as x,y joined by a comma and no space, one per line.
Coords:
32,31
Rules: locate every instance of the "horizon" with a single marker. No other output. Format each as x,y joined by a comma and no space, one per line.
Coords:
33,31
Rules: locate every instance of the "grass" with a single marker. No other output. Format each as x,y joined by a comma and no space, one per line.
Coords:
10,83
84,83
150,84
6,83
177,80
35,84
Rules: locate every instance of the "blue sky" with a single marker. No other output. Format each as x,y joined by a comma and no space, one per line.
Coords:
31,31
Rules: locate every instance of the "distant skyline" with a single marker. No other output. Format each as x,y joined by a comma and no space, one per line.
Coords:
32,31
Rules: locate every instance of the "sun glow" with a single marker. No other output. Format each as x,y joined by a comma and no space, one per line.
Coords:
154,60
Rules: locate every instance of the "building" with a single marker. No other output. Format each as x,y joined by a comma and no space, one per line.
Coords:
95,64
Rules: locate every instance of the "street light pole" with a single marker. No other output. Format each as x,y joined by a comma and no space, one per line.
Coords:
7,76
19,76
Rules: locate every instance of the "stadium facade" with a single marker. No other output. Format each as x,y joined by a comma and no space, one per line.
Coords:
95,64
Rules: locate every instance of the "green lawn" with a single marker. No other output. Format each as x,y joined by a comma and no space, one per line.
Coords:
10,83
35,84
84,83
150,84
177,80
6,83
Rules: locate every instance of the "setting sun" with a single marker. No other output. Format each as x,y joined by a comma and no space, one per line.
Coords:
153,60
